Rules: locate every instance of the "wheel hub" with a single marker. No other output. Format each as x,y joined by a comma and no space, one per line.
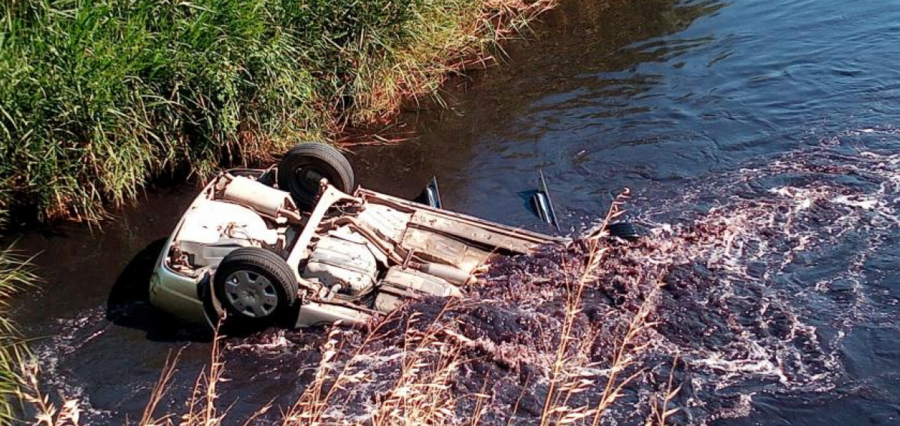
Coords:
251,294
309,178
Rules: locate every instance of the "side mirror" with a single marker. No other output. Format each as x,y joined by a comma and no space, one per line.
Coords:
431,195
542,203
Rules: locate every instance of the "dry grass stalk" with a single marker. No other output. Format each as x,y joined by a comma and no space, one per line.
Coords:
312,406
46,413
480,409
515,409
422,393
624,358
202,407
313,403
202,410
564,379
660,411
159,391
572,373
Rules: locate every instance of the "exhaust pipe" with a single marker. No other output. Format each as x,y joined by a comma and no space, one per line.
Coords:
452,274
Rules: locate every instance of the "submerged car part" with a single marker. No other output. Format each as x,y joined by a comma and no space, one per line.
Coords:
623,230
542,203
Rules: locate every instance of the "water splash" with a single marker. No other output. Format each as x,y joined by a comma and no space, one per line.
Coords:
766,271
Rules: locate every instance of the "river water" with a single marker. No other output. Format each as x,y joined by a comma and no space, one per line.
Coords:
758,139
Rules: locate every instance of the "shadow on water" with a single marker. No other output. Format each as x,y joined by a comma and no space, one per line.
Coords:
129,304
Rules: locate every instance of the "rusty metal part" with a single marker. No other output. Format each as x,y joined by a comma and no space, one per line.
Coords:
408,258
439,248
292,216
506,237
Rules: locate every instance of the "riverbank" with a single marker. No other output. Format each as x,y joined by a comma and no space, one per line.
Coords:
100,97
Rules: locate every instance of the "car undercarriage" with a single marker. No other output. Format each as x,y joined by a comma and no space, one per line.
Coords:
300,240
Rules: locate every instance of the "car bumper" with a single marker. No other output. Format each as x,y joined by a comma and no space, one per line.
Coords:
175,293
172,292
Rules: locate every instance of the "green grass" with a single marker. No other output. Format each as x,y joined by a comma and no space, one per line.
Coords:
15,273
98,96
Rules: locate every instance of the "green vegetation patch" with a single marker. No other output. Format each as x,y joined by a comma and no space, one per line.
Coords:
15,273
96,96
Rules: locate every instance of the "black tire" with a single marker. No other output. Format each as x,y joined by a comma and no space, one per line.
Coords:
305,164
246,297
623,230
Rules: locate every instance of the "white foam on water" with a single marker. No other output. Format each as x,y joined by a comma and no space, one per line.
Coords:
275,343
55,379
786,266
819,213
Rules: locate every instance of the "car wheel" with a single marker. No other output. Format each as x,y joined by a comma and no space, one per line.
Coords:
301,169
623,230
254,285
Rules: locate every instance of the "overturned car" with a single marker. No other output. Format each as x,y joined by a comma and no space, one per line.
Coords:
300,242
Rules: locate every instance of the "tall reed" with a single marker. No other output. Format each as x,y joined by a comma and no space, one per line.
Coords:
97,96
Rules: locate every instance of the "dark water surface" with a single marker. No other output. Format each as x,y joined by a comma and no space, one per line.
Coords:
758,137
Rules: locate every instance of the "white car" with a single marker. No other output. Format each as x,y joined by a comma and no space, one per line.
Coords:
300,242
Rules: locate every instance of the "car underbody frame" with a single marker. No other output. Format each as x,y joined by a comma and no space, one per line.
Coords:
419,250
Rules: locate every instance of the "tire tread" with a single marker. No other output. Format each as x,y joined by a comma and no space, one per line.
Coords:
624,230
323,153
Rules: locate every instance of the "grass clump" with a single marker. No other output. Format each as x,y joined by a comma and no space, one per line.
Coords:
15,273
96,96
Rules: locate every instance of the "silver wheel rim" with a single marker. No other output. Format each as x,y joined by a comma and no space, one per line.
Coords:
251,294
